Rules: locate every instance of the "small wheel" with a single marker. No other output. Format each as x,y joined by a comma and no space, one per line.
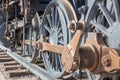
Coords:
54,27
31,53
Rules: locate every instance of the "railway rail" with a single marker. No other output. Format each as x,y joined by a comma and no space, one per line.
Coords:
61,39
20,67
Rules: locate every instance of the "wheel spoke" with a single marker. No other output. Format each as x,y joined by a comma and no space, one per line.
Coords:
61,42
53,60
117,9
101,27
49,20
47,28
60,35
52,17
59,29
56,62
50,58
57,24
106,14
60,63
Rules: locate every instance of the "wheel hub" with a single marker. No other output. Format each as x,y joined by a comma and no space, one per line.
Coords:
53,37
113,40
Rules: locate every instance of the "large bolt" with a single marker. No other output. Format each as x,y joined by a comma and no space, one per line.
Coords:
106,61
72,26
38,45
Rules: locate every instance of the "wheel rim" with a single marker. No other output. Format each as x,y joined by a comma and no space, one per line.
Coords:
30,52
54,27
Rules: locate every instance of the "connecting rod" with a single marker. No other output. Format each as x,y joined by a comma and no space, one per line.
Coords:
94,55
70,53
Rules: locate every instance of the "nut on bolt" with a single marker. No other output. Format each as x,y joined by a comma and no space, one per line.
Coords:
72,26
106,61
38,45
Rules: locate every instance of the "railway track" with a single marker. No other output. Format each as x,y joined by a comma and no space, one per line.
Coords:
12,70
15,67
60,39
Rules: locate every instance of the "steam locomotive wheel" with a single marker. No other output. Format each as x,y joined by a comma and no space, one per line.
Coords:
3,40
104,16
54,27
31,53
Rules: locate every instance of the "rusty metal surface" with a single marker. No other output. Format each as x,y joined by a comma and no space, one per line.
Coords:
70,56
91,56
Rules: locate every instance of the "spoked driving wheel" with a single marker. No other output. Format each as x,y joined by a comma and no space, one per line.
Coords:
54,27
31,34
104,16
